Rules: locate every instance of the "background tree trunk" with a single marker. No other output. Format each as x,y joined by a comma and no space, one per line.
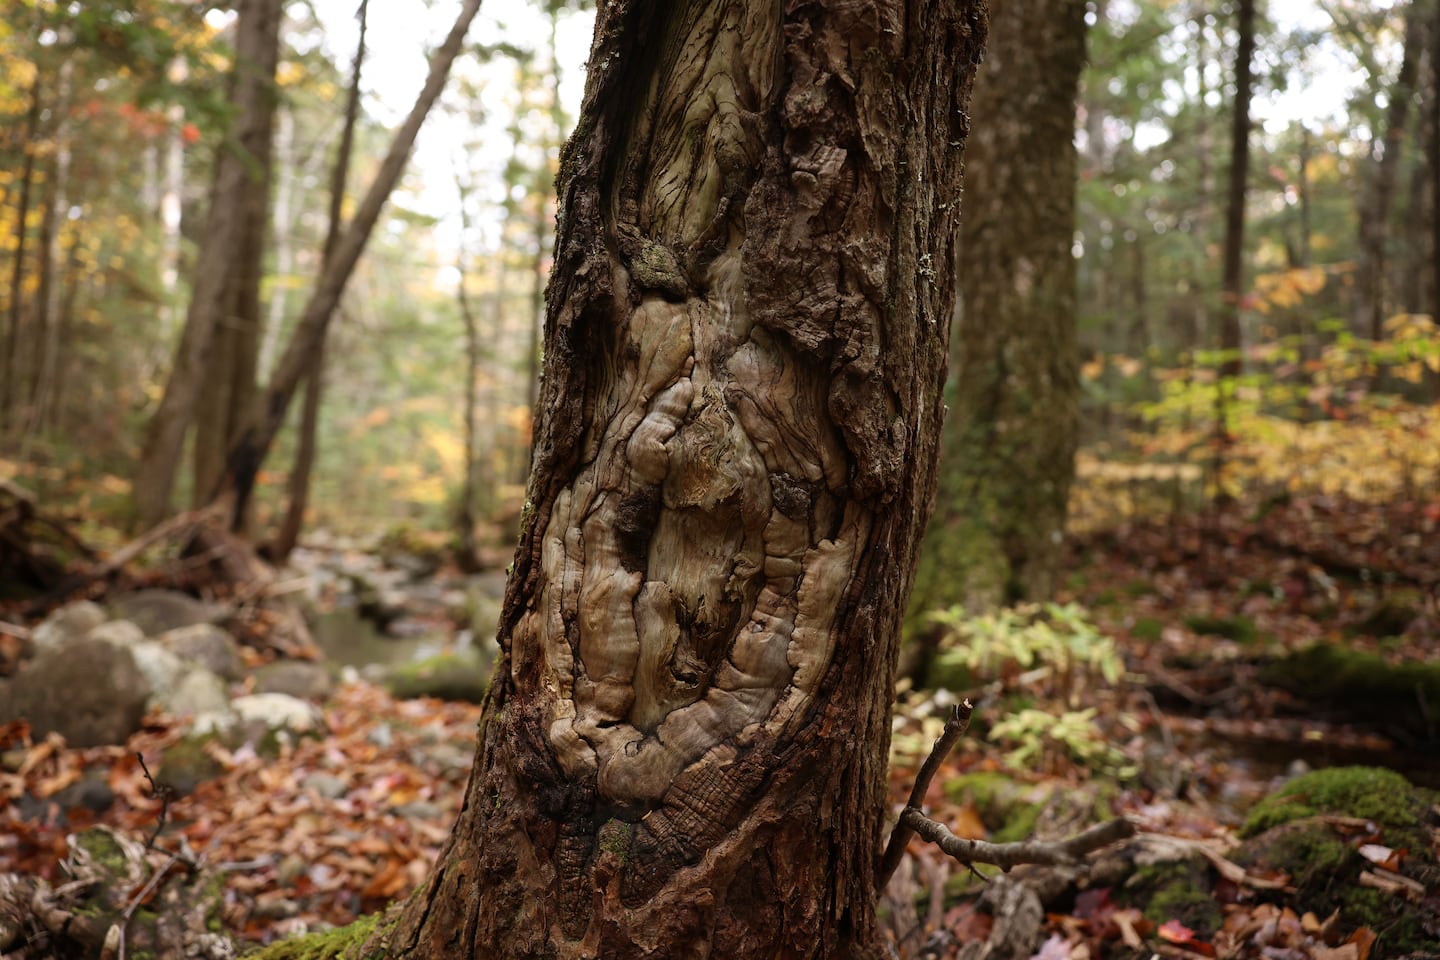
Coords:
1370,305
10,393
1230,339
221,253
248,451
1011,434
309,441
684,749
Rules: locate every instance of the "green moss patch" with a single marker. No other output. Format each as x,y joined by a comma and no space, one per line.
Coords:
1239,629
1177,890
342,943
1372,793
1289,834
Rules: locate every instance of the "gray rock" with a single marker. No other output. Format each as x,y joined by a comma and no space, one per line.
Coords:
157,611
70,622
199,693
92,792
297,678
326,785
122,633
162,668
207,645
91,693
277,711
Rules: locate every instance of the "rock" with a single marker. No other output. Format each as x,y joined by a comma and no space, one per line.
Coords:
186,763
199,693
452,676
326,785
208,645
72,621
277,711
121,633
161,667
91,793
159,611
297,678
91,692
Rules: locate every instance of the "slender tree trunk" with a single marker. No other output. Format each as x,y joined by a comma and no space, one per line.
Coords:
171,203
684,749
52,264
466,555
257,40
10,389
1304,253
229,383
283,227
1385,148
1230,338
305,453
1010,438
248,452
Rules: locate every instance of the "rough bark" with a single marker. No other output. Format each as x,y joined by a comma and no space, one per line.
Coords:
1009,445
1230,339
256,43
1374,219
248,451
684,748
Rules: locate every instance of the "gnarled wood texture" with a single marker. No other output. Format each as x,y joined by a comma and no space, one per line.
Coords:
684,750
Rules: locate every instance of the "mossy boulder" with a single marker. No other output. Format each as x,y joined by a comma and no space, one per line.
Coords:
1370,793
1398,697
1308,832
461,676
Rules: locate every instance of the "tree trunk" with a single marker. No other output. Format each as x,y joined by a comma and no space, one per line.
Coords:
1010,438
684,749
309,442
467,556
1370,308
10,390
52,262
1230,339
248,451
256,46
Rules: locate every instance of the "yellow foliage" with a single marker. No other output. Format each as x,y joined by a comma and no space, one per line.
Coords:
289,73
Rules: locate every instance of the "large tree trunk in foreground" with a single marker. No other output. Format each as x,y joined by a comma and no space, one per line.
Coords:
684,749
1010,439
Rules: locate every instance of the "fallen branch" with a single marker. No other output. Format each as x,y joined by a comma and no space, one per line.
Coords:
954,729
118,559
1006,855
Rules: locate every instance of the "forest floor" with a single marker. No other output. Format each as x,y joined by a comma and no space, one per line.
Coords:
1199,727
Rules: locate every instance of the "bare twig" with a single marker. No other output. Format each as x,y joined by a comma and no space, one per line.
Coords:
1007,855
163,792
954,730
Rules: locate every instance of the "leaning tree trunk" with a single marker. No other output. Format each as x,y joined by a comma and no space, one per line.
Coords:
683,752
1010,440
